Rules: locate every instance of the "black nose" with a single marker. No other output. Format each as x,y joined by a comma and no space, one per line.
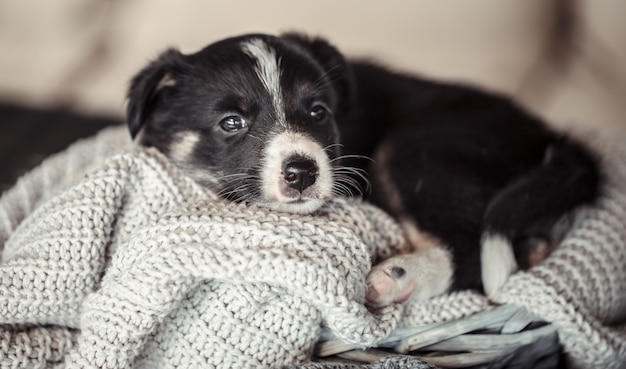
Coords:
300,173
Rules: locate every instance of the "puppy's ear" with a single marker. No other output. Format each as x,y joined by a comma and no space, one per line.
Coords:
146,86
333,62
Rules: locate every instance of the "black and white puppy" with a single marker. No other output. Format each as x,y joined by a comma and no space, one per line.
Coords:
480,187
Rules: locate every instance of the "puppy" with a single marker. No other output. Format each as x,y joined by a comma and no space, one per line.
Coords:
480,187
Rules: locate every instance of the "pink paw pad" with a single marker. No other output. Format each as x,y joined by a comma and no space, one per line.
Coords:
388,285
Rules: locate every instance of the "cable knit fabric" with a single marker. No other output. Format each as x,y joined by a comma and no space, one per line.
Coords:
113,259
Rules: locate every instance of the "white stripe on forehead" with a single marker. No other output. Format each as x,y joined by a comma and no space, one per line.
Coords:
267,68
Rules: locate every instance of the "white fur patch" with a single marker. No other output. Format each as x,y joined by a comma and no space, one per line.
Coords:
497,262
166,81
282,147
268,70
180,151
183,145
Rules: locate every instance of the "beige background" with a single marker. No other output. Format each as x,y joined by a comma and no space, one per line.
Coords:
80,54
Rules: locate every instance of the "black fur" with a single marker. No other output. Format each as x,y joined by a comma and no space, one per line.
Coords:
466,162
143,92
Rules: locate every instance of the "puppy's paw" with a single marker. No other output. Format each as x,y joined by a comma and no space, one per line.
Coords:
419,275
388,283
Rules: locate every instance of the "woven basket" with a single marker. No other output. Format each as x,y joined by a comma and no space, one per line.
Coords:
505,336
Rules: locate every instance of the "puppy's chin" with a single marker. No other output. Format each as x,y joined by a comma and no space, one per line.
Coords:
307,206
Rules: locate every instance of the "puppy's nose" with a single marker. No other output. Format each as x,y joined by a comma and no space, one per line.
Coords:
300,173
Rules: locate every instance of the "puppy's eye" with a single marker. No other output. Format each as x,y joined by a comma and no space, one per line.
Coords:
319,113
233,123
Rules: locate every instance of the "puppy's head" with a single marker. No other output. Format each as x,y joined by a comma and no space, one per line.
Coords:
252,118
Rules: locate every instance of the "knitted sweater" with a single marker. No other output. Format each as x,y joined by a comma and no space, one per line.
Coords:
134,265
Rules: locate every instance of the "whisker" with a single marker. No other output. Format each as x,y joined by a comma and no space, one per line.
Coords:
331,146
352,157
228,191
232,177
354,171
326,79
237,184
351,185
249,196
352,179
343,190
349,170
346,187
347,180
233,184
240,187
229,178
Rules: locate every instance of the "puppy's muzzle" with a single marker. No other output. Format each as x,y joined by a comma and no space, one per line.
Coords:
299,173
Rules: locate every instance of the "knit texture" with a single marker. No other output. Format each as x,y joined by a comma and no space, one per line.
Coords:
113,259
154,271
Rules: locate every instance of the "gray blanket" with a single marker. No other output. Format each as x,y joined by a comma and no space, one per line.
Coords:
134,265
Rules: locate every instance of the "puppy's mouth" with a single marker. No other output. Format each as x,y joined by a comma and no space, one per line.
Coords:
296,175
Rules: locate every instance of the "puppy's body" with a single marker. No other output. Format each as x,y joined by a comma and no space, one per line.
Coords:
467,170
261,119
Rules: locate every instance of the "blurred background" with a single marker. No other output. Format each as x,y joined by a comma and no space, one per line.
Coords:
65,64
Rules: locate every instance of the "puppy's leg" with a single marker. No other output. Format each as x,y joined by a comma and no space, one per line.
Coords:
440,209
528,218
